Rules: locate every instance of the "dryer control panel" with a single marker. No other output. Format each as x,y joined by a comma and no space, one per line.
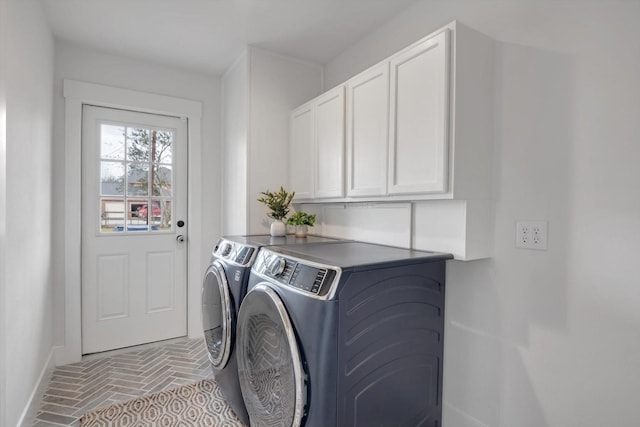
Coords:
233,252
303,275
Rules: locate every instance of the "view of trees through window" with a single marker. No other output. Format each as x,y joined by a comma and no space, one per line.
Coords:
136,190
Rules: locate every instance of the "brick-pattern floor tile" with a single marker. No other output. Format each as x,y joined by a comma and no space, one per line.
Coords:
77,388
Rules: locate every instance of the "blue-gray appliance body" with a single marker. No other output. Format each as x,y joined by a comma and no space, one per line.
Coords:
224,286
368,325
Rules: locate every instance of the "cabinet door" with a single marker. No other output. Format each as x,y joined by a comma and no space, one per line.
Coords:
329,130
301,152
418,149
367,132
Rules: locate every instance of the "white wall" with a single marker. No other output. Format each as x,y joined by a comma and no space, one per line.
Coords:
3,212
277,84
549,338
27,337
77,63
235,111
259,91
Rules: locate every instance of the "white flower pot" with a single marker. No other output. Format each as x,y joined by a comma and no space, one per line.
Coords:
278,228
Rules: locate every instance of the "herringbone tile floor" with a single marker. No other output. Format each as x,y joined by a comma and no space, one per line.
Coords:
77,388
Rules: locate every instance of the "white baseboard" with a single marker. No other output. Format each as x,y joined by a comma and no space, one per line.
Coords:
67,354
453,416
31,408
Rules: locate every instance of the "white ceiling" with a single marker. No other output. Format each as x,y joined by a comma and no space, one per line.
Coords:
208,35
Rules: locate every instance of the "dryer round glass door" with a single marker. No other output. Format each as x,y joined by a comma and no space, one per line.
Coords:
217,315
272,378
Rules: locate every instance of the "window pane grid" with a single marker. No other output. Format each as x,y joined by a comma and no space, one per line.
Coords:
136,184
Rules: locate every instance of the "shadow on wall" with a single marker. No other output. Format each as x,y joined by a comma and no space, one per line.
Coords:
534,142
501,311
473,351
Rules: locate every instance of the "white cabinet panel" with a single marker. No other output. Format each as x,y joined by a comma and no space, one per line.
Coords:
316,156
461,227
302,149
367,132
329,130
419,117
384,223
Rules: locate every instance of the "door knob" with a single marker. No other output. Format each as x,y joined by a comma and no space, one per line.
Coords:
180,238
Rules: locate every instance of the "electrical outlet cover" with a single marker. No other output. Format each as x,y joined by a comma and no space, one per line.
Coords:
531,235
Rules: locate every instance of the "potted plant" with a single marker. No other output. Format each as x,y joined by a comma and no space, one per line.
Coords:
278,202
302,221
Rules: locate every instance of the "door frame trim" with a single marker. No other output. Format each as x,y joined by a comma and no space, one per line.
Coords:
76,94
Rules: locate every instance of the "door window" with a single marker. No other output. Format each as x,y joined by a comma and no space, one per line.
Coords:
136,179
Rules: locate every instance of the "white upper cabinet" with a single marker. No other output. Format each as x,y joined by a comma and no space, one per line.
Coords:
301,151
316,156
419,117
419,126
329,131
367,132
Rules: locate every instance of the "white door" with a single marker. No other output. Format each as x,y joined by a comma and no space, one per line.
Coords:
134,206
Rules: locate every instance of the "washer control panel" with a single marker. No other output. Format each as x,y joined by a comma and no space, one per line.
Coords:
299,274
308,278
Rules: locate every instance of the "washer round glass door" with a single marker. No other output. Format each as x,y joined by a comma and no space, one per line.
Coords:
217,318
271,375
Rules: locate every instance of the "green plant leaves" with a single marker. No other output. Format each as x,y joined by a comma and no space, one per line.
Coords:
278,202
302,218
